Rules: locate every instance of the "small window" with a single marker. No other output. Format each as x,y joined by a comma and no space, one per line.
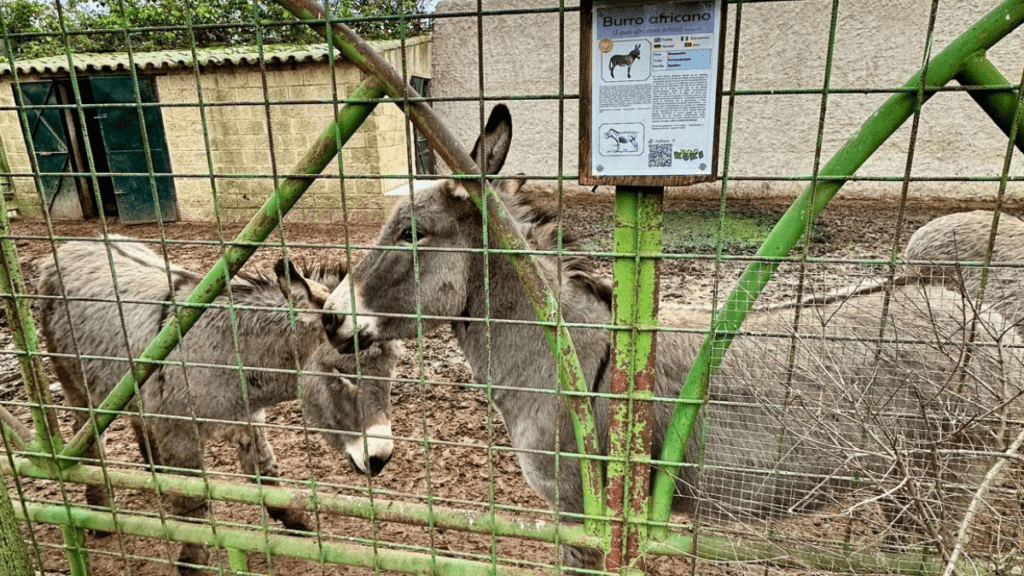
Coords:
424,155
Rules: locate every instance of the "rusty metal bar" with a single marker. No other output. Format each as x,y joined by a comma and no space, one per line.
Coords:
638,230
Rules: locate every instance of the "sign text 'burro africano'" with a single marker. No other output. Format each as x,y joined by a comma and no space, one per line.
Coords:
654,75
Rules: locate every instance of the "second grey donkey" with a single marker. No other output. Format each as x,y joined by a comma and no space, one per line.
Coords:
93,330
813,406
943,244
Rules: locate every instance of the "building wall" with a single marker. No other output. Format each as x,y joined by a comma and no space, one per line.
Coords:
239,130
17,157
783,45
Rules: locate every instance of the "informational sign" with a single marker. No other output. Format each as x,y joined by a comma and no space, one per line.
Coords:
650,113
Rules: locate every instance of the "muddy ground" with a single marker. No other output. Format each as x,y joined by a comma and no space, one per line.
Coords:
437,418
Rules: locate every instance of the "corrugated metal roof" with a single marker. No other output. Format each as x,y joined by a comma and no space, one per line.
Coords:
171,59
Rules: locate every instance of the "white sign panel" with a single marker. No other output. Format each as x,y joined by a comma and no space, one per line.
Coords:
654,80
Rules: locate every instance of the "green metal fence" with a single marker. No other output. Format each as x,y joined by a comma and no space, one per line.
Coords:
424,514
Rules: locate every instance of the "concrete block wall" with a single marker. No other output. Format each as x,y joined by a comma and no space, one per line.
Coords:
239,131
26,198
783,45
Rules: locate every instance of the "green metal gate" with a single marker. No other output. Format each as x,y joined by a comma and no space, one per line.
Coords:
619,519
141,198
52,151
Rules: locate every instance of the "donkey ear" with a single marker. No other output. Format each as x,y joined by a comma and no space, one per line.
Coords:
491,147
292,283
509,186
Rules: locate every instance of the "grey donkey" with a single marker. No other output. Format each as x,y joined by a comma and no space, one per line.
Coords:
856,389
85,315
940,244
624,60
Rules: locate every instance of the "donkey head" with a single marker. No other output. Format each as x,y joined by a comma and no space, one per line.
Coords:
421,266
354,414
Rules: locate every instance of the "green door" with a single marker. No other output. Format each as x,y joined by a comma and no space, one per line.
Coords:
53,155
122,141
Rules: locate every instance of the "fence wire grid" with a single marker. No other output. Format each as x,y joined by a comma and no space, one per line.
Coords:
233,249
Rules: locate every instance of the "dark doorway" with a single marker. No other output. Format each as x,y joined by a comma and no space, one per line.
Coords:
113,136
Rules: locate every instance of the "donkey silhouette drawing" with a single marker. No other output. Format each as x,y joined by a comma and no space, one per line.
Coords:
624,60
622,138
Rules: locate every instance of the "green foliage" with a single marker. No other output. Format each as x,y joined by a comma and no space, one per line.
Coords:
150,25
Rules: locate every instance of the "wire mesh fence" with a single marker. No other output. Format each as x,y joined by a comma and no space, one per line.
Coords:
450,380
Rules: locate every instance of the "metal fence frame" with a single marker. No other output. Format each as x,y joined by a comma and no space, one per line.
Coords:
628,524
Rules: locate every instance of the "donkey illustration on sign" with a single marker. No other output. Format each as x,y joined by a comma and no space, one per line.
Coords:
858,395
94,327
622,138
624,60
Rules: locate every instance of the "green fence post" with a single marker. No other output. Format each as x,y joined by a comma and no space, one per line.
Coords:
993,27
6,181
238,560
638,230
13,555
1001,105
74,543
26,343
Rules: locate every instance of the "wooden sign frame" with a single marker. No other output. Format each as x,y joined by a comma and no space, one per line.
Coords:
642,149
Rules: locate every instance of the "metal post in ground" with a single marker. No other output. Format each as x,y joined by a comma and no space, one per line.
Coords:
637,243
13,555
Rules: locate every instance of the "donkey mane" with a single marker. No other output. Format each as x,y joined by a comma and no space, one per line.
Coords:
538,221
327,271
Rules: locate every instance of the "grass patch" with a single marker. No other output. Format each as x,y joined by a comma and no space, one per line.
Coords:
696,232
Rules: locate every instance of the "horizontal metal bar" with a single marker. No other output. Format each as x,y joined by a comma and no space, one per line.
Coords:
708,547
256,540
304,499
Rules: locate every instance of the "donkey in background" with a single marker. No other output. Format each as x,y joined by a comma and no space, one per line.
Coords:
624,60
86,315
857,411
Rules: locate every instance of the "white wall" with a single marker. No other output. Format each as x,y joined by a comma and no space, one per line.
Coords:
783,45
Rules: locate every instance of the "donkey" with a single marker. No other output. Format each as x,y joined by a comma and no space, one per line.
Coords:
862,389
621,138
964,236
624,60
86,315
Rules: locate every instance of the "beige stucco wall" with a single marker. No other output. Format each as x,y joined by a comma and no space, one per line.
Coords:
240,138
783,45
17,157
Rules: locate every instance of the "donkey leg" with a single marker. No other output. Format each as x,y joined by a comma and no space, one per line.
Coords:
586,558
255,453
97,496
191,554
177,447
147,445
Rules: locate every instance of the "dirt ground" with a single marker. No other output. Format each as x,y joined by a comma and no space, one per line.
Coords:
438,420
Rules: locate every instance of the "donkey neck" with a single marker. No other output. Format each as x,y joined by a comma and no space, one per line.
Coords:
517,356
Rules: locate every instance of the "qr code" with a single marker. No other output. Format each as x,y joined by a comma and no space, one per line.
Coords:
660,156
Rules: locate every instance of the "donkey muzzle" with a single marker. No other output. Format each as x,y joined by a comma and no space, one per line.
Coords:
339,333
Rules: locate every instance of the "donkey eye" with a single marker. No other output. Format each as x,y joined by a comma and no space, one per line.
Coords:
406,236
